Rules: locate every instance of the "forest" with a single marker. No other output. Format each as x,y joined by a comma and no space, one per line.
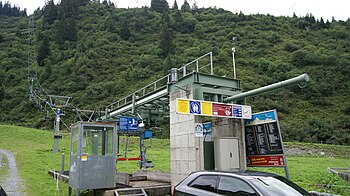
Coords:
98,53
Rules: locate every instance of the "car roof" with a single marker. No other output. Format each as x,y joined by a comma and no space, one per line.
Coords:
239,173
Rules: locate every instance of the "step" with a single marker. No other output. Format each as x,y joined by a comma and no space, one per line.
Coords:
130,192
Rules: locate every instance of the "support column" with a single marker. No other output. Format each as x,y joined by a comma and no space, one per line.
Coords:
186,150
56,135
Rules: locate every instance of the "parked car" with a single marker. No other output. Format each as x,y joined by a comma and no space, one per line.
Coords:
240,183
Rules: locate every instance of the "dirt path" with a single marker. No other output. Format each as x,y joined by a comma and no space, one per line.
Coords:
11,183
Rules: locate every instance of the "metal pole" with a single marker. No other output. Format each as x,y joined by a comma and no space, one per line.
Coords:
286,170
62,170
133,109
211,64
296,80
142,157
56,135
234,63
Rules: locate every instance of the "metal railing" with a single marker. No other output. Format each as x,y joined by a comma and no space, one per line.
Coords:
193,66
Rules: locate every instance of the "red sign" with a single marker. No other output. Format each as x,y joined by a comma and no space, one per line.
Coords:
265,161
222,110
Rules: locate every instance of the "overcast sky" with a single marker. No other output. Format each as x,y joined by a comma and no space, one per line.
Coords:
339,9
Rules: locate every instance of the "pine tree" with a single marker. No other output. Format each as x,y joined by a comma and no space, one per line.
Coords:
124,31
24,12
159,5
175,7
7,9
194,6
179,20
328,24
44,51
186,6
50,12
166,35
1,12
322,24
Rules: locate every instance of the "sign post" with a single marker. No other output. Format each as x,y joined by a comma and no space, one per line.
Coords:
264,145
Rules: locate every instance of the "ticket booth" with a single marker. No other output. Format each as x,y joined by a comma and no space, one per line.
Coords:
92,155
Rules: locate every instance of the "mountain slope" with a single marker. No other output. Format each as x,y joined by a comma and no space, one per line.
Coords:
98,53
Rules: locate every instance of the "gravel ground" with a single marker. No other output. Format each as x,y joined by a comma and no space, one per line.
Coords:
11,183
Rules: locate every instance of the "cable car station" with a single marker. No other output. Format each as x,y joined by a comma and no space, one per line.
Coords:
189,98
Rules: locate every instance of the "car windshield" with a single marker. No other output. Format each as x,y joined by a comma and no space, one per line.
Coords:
278,186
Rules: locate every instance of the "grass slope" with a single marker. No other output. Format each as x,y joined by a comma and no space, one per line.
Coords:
32,150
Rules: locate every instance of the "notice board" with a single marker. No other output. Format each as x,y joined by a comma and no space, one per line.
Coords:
264,146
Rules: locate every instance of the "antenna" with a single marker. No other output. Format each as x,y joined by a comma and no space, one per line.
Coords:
234,40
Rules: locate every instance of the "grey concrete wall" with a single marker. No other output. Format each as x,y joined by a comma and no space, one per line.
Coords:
228,127
186,151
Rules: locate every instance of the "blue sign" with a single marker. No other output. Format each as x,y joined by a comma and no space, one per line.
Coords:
123,123
262,117
195,107
127,123
58,112
133,124
207,127
236,111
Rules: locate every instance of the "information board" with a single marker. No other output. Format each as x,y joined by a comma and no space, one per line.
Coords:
127,123
264,145
263,139
206,108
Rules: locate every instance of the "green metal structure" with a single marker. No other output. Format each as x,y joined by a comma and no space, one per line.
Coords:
152,101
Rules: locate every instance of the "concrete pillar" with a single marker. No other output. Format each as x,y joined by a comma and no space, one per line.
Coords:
186,150
228,127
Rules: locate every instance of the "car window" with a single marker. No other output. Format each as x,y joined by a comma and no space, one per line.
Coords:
234,186
278,186
207,182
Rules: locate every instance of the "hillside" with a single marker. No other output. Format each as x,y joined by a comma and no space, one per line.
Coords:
98,53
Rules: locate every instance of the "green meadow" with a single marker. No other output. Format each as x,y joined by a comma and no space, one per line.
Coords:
32,149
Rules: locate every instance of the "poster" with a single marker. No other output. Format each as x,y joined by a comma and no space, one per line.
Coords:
183,106
222,110
207,108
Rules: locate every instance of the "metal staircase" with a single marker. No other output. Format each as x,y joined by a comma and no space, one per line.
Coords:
152,101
